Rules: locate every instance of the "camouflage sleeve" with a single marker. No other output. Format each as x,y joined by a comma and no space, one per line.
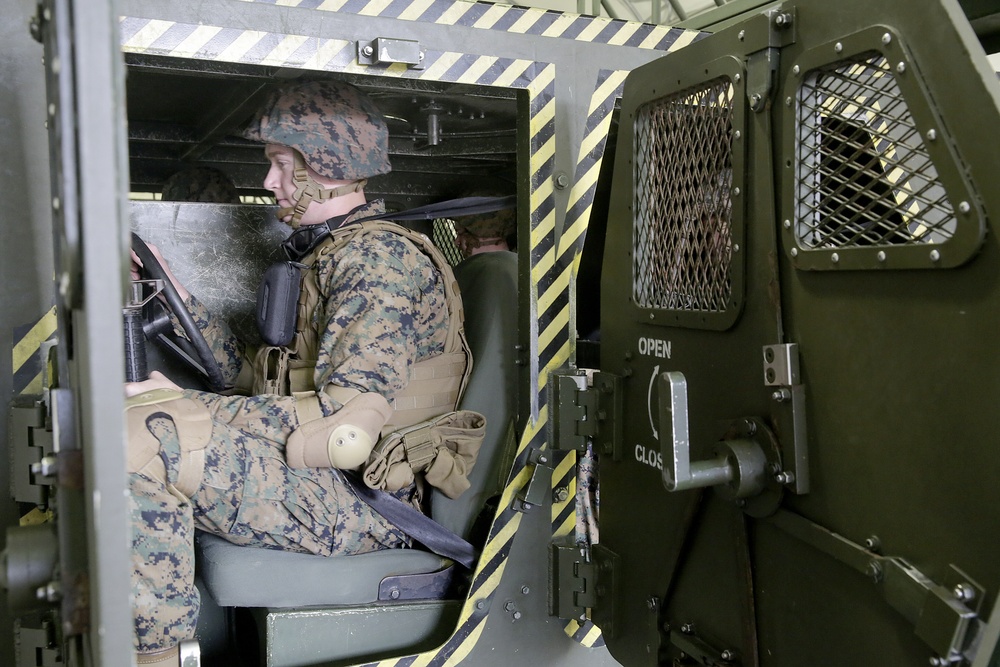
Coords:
370,320
226,348
266,415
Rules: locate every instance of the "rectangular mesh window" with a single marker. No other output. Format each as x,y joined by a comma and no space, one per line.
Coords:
683,200
864,176
443,236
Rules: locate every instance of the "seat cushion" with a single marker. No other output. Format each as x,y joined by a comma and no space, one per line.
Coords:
241,576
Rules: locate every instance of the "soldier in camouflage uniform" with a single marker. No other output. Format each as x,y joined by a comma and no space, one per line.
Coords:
200,184
218,463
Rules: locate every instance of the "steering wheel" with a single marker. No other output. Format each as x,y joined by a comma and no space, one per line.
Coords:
194,351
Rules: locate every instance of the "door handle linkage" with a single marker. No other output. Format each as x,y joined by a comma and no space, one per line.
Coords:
745,461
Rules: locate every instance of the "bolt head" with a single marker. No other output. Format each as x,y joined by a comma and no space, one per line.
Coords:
368,51
964,593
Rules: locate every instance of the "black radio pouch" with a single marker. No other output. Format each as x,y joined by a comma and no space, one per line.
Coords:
277,302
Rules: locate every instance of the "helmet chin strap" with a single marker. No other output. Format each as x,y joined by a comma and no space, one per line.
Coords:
307,190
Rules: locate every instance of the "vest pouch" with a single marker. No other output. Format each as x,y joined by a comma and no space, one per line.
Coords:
443,450
277,302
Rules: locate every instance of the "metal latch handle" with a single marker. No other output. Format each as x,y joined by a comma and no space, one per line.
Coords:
679,472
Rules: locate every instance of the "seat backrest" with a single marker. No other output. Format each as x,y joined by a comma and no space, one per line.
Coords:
488,283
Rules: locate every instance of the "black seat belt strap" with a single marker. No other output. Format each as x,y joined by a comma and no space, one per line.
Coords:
414,523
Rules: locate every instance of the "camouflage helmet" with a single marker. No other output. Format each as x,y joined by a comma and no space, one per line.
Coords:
487,228
338,130
496,225
200,184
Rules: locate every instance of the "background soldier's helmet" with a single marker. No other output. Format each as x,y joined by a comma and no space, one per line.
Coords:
496,225
200,184
336,127
487,228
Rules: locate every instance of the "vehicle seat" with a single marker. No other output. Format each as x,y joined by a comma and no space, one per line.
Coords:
243,576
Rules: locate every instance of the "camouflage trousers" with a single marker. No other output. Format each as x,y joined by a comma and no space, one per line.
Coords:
248,495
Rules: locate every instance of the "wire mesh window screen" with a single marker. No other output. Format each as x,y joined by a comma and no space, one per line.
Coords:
864,176
683,207
443,236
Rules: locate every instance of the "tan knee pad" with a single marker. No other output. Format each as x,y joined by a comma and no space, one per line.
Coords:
194,431
342,440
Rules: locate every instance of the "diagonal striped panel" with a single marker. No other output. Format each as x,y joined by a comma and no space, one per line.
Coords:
508,18
26,366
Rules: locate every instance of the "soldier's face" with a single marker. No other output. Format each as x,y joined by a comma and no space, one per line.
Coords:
279,182
279,176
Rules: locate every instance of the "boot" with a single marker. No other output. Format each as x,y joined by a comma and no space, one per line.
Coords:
185,654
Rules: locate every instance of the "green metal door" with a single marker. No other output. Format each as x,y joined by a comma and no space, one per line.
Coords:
800,296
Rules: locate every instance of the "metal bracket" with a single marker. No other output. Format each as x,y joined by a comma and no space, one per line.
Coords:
766,42
788,413
422,586
388,51
37,646
684,637
539,486
945,616
580,411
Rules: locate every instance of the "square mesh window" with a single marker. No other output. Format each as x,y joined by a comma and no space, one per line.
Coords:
864,176
683,200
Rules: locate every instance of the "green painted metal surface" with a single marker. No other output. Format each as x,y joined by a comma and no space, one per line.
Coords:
896,354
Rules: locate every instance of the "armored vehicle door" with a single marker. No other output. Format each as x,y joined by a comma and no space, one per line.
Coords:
798,312
67,575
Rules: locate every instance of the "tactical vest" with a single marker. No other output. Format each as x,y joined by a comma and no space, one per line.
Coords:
435,385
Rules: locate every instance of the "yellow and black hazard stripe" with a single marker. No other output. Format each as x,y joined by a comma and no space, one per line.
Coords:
505,18
27,367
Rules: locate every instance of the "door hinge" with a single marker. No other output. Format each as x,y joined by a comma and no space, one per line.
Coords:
31,446
586,407
582,584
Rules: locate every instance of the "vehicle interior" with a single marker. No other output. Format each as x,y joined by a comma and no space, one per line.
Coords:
269,607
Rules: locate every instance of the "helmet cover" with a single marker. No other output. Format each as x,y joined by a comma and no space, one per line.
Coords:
339,131
200,184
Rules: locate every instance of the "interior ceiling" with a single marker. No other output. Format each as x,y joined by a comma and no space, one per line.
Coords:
443,138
